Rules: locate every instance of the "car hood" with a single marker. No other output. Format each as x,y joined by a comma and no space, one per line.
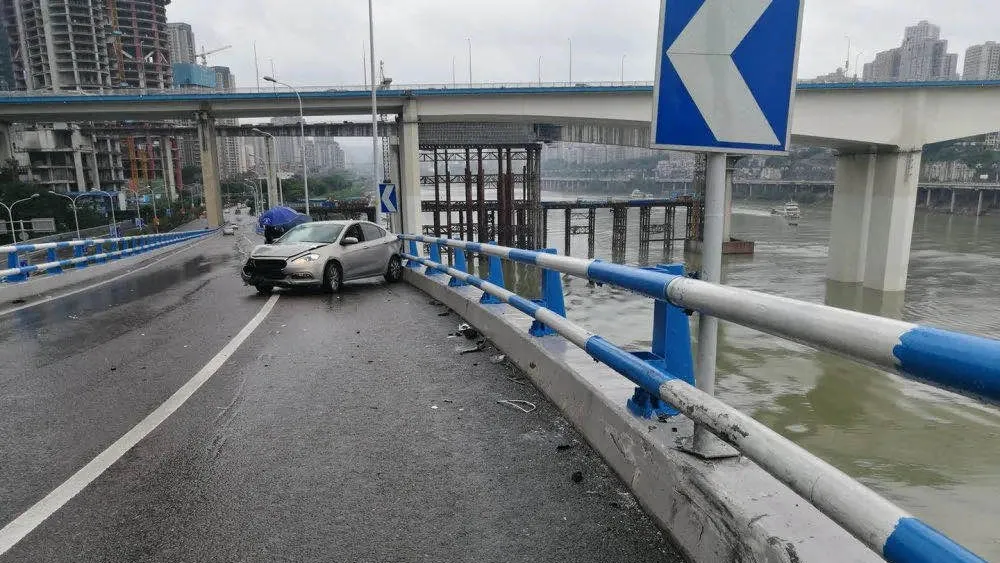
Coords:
284,250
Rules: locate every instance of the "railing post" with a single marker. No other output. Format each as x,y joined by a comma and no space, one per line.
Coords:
436,258
98,251
114,248
552,298
80,251
13,261
671,352
51,257
413,252
495,278
460,264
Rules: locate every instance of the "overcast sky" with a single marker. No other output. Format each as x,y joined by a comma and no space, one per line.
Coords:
319,42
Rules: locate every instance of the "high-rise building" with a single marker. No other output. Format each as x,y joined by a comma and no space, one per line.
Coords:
982,62
84,45
141,46
59,44
922,56
288,148
328,155
181,43
231,155
7,81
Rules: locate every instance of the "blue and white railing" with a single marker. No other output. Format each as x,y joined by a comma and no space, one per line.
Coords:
85,252
958,362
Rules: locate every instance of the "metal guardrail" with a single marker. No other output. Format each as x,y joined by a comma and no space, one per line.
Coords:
959,362
103,250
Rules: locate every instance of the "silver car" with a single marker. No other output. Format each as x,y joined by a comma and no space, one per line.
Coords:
325,254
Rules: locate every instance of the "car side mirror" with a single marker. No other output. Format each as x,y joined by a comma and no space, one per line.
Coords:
348,241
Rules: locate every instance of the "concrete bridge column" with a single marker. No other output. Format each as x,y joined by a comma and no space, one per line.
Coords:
850,217
169,177
979,206
409,164
951,208
927,203
893,203
208,143
272,172
6,143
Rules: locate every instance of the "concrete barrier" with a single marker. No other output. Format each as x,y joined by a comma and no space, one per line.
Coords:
723,510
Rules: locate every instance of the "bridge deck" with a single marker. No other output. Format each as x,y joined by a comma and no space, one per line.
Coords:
344,428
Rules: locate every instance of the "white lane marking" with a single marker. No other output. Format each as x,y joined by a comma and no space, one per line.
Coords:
6,312
30,519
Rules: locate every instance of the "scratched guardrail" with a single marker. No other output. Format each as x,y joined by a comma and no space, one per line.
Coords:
958,362
85,252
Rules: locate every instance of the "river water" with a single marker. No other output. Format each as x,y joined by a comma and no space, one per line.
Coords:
934,454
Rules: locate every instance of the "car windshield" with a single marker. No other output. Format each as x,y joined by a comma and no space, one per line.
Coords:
312,232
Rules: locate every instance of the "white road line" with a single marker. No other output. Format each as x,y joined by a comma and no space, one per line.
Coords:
30,519
6,312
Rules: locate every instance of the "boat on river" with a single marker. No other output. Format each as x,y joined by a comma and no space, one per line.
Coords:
790,211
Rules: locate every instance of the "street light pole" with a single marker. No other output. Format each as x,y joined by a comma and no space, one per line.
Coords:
10,214
371,46
539,71
623,68
273,153
111,205
570,39
302,129
72,202
469,41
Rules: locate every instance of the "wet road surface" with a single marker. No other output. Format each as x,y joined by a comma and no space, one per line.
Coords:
345,427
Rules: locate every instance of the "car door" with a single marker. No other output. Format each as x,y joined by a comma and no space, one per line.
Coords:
376,256
353,256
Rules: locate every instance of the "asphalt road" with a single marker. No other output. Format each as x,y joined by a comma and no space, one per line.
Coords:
343,428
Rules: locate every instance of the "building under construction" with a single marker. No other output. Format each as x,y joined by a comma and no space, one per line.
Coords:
89,46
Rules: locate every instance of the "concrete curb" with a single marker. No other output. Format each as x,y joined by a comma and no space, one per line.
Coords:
728,510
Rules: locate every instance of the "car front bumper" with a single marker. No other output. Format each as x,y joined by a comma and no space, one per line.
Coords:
306,274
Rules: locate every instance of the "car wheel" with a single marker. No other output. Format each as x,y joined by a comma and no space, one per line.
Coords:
264,289
394,272
333,277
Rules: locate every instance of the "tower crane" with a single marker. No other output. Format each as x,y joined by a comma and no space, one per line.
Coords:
204,54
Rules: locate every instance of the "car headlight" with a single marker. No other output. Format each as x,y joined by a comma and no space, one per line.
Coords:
306,258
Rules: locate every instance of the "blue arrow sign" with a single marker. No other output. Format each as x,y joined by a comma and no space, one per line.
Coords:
387,197
725,77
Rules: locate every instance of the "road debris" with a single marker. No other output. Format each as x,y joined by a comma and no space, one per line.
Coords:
523,406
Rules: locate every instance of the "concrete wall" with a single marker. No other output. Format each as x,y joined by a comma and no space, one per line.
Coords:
727,510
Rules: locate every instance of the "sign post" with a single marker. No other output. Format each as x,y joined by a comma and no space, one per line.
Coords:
725,83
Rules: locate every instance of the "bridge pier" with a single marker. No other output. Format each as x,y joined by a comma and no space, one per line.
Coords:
272,172
872,219
409,164
951,207
169,173
619,232
208,143
6,143
854,182
979,205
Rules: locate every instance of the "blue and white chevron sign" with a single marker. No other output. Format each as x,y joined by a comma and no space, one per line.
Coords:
725,77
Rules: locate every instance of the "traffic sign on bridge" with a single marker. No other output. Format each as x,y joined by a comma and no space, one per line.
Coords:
388,198
725,75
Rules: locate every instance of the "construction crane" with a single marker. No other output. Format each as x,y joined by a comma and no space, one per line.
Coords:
204,54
